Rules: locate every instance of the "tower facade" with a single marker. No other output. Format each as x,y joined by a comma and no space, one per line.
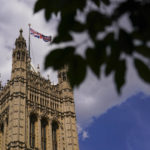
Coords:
34,114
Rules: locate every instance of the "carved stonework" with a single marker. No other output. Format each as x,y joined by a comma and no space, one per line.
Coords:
34,113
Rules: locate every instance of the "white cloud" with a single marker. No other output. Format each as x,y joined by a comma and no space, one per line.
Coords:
85,135
94,97
79,128
18,14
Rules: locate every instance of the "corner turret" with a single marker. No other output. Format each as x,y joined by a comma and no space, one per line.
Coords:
63,81
19,57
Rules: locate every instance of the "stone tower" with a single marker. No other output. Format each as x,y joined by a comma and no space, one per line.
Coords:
34,114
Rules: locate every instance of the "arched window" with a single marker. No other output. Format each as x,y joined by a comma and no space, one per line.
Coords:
18,55
43,133
1,134
2,128
54,134
19,45
23,56
59,75
33,119
64,76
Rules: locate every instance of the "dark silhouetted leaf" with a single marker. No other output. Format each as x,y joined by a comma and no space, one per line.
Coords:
93,61
125,42
59,57
143,50
129,6
66,24
96,57
77,26
77,70
119,76
62,38
64,27
107,2
54,6
140,17
113,58
47,15
97,2
109,38
142,69
96,22
39,5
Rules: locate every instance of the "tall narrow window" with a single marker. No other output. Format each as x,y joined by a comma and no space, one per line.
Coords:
54,135
1,135
18,55
23,56
2,128
32,130
43,133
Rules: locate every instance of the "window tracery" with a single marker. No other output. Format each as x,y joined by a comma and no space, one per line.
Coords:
18,55
43,133
33,119
54,134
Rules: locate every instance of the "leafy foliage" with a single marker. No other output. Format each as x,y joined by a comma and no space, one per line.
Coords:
107,51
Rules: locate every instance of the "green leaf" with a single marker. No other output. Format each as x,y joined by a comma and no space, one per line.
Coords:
143,50
58,57
119,76
77,70
142,69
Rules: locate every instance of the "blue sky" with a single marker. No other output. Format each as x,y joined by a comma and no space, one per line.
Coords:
123,127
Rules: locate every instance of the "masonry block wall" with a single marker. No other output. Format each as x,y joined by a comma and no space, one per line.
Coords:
34,114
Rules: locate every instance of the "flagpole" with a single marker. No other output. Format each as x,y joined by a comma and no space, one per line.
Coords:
29,39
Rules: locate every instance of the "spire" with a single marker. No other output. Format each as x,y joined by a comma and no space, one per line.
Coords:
21,32
20,41
19,56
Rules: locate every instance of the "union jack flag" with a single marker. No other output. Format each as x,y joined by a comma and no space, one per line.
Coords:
40,36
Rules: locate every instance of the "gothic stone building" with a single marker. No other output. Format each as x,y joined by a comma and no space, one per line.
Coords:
34,114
